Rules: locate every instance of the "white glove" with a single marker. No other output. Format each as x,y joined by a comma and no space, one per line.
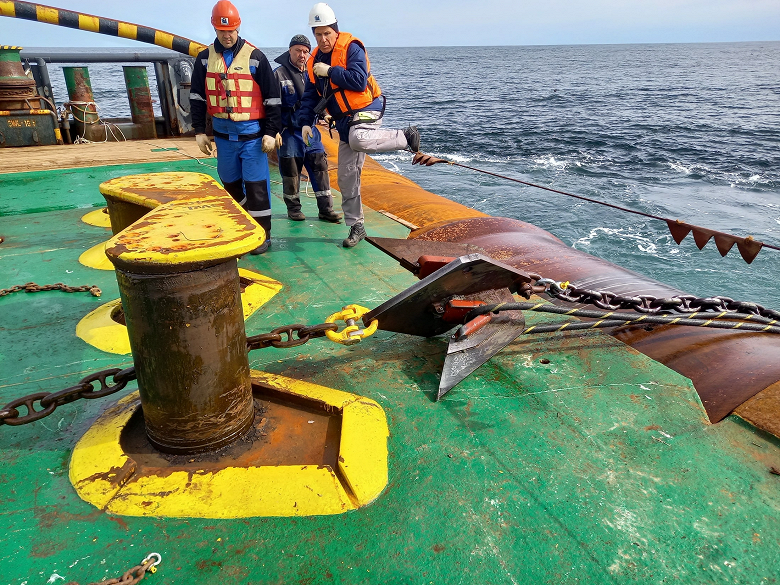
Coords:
205,144
279,141
269,143
321,70
307,134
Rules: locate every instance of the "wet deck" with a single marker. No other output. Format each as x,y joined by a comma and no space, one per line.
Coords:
597,467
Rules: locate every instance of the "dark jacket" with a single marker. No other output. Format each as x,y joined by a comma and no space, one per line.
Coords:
291,84
263,76
354,77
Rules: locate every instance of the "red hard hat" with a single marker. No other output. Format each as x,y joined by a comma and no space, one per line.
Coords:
225,16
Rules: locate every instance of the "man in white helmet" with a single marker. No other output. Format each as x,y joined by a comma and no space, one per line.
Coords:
340,81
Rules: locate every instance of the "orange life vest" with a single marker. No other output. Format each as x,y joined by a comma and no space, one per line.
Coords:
348,101
231,92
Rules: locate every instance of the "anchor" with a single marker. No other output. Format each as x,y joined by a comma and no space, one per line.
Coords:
454,279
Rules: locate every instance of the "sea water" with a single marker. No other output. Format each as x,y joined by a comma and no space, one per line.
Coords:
686,131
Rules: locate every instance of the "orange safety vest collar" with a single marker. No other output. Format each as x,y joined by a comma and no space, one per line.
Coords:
349,102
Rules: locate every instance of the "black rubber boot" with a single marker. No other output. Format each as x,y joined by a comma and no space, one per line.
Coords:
356,233
325,205
412,139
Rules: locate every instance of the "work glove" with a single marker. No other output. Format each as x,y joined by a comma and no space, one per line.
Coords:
278,140
307,134
321,70
269,143
205,144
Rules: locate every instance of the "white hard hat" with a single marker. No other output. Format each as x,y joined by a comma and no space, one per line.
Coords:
321,15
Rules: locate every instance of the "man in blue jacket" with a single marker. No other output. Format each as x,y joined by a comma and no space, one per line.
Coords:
339,80
294,155
233,82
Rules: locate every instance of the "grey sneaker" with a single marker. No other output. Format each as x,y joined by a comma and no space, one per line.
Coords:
330,216
262,249
356,233
412,139
296,215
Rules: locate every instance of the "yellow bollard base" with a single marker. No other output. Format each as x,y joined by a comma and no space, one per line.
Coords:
312,450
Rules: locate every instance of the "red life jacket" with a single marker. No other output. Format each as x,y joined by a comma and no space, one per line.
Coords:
232,92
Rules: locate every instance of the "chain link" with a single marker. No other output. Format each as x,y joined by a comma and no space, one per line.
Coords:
651,305
49,401
31,287
135,574
275,338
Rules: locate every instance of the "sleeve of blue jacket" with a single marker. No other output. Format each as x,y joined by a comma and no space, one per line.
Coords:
355,76
198,92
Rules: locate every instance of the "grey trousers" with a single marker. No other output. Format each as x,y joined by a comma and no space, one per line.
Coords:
367,138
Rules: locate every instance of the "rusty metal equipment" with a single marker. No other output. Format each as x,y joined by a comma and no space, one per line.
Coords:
24,119
81,103
141,108
435,304
189,345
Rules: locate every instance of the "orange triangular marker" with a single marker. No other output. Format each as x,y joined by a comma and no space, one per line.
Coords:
678,229
725,242
702,236
749,248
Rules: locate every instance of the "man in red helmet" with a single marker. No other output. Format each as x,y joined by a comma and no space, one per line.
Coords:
233,82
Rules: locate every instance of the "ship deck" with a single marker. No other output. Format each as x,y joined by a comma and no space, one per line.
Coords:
566,458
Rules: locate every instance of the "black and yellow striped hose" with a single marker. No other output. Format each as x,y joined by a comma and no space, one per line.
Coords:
98,24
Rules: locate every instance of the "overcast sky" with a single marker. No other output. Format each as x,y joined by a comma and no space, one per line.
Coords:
404,23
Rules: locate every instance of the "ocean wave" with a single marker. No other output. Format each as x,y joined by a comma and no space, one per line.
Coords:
643,242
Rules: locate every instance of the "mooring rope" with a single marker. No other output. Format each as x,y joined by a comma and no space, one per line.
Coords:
748,247
614,319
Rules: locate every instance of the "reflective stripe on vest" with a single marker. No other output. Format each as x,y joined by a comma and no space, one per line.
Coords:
231,92
348,101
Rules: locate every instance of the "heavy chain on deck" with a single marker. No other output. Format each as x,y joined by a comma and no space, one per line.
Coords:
49,401
41,404
31,287
649,304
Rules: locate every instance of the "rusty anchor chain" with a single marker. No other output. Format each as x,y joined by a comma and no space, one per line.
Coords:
31,287
649,304
41,404
49,401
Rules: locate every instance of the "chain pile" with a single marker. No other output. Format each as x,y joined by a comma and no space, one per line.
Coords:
31,287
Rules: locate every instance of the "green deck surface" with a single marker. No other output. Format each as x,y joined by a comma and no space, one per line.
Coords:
598,467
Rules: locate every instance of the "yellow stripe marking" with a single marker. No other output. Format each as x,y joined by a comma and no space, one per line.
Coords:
531,328
564,326
90,23
641,317
737,325
127,30
597,323
7,9
572,311
163,39
706,323
674,320
47,14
